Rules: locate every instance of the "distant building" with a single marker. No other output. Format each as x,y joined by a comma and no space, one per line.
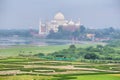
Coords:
59,20
91,36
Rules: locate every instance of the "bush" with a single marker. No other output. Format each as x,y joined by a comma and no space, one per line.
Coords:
91,56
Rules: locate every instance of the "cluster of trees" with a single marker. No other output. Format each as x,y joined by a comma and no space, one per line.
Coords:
90,53
106,33
80,34
66,34
99,52
10,33
114,43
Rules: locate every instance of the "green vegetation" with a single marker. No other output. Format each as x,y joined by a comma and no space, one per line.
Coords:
31,50
11,33
85,77
16,68
89,53
80,34
67,34
114,43
26,77
97,77
82,77
64,62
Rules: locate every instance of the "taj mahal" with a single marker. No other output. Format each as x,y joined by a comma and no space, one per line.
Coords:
59,20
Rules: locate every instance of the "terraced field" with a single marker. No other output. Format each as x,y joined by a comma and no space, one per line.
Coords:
39,69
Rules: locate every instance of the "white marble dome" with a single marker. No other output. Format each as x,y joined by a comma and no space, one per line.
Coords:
65,24
59,16
71,23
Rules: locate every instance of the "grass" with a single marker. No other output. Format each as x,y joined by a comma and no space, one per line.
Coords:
97,77
15,63
14,51
10,64
101,66
79,77
25,49
90,77
26,77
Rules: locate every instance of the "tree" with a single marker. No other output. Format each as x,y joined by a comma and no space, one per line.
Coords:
51,34
76,34
90,48
82,29
39,55
91,56
111,29
60,29
100,47
72,47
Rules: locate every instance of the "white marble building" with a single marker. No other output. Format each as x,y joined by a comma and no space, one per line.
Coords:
59,19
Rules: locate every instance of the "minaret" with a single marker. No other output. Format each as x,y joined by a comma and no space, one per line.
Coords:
78,23
40,25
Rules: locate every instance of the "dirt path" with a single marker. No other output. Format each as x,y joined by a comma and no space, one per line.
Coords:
68,67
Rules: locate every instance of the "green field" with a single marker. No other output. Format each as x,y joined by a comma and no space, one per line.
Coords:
98,77
25,77
14,67
85,77
27,49
20,68
15,50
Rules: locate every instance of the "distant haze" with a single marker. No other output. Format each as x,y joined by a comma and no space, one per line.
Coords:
24,14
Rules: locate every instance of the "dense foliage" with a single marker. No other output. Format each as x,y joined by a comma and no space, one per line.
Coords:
99,52
12,33
90,53
66,34
114,43
80,34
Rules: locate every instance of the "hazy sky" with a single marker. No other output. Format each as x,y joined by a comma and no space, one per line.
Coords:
18,14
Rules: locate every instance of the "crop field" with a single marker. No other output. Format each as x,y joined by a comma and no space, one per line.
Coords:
19,68
14,67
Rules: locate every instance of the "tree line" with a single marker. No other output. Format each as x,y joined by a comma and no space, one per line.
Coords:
73,53
80,34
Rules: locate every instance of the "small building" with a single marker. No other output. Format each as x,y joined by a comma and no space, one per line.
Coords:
91,36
